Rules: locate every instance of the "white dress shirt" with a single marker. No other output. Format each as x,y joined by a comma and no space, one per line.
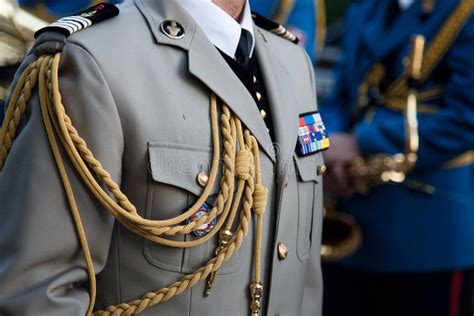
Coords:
221,29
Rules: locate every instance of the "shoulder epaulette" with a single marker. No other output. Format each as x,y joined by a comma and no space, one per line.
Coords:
81,20
274,27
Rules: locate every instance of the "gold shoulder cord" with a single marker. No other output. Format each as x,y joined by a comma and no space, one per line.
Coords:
241,162
395,95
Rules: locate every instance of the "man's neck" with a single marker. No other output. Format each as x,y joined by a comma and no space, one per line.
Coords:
234,8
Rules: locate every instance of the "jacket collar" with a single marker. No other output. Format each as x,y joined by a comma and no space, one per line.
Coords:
207,65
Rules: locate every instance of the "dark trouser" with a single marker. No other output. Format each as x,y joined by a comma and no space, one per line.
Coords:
349,292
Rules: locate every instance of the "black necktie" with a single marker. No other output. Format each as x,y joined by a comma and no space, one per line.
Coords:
242,54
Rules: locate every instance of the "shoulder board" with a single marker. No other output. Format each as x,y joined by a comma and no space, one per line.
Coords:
81,20
273,27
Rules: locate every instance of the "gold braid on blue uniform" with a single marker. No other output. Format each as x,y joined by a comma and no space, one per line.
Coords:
274,27
396,93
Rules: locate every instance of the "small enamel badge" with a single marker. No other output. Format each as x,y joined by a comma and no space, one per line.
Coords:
206,228
312,135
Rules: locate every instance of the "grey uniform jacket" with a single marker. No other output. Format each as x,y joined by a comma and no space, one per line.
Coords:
141,101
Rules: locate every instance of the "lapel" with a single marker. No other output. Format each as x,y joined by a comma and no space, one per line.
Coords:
207,65
280,92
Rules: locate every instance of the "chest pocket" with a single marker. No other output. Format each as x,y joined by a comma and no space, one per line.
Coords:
309,201
172,188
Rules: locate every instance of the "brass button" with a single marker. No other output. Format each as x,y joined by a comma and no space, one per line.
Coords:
203,179
321,170
259,96
282,251
254,79
263,114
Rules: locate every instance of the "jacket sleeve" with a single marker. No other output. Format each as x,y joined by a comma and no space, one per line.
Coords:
42,267
446,133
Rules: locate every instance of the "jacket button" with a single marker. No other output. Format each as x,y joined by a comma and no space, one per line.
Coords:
282,251
321,170
203,179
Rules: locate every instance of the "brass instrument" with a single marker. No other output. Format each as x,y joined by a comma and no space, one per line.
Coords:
342,236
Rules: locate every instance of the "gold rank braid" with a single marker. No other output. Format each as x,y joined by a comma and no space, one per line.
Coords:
241,161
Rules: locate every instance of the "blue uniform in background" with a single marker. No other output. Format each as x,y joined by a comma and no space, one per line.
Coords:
427,224
61,8
301,20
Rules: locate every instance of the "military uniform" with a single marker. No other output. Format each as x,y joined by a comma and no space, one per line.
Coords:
425,224
137,89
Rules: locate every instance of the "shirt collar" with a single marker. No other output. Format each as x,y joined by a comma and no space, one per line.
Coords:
220,28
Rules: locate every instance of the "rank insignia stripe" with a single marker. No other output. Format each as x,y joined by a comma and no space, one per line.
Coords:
312,134
274,27
71,24
205,228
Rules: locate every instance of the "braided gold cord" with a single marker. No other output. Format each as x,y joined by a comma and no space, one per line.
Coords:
398,90
124,211
46,65
201,274
446,37
241,164
21,95
438,47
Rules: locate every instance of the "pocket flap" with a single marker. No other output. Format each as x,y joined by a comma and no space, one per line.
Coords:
179,165
307,167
